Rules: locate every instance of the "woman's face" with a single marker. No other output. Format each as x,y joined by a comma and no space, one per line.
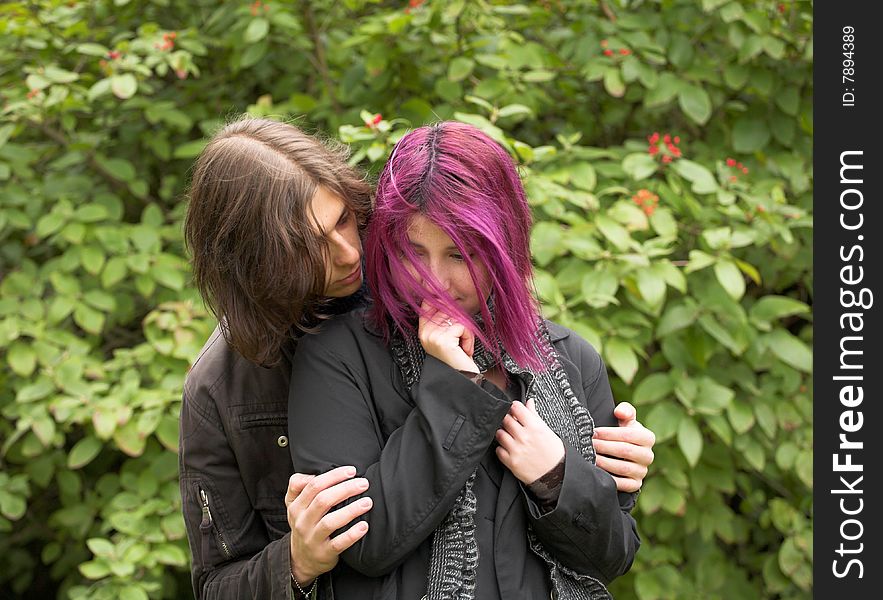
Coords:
441,257
336,222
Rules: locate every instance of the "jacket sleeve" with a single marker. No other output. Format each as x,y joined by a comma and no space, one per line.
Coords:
414,476
590,529
208,469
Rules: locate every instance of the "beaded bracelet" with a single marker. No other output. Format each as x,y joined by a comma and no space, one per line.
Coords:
300,589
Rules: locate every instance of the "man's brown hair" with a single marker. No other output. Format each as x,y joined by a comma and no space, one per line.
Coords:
257,258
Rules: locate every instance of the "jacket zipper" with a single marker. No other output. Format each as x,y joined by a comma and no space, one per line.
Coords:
207,518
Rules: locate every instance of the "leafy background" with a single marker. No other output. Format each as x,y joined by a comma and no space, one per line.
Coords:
666,147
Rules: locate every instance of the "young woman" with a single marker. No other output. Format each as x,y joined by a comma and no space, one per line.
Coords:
469,415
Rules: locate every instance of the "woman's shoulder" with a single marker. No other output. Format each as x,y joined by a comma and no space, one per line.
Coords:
341,334
573,346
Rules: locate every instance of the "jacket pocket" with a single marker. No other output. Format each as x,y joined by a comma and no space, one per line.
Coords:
208,527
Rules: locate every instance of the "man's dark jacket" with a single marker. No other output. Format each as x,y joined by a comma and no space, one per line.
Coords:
234,467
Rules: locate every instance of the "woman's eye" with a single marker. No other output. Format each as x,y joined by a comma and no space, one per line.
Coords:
457,257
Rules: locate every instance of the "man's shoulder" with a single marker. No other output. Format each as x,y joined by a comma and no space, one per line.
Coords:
341,334
218,362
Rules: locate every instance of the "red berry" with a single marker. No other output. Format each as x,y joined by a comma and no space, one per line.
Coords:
666,159
377,118
625,51
608,52
666,138
731,162
603,43
677,139
733,178
745,170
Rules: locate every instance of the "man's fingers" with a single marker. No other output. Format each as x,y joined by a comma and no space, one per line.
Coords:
343,516
349,537
296,484
332,496
322,482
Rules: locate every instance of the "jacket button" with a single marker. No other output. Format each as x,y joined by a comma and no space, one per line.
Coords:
282,441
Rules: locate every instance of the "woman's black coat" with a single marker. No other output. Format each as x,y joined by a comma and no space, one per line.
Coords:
349,406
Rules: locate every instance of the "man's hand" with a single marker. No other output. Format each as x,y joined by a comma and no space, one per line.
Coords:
308,501
625,451
528,446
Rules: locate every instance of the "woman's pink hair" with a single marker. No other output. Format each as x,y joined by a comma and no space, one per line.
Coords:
467,185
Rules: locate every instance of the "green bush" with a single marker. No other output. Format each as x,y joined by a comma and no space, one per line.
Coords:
665,146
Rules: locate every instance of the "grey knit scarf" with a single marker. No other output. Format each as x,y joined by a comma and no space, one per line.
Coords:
454,562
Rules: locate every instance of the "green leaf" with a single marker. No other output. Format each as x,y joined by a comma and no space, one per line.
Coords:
690,441
92,259
614,232
613,82
675,318
711,397
60,308
699,260
12,506
667,87
695,103
460,68
731,278
653,388
190,149
170,554
622,359
90,213
22,359
701,178
133,592
545,242
583,176
790,350
83,452
750,134
664,223
49,224
168,276
771,308
95,569
90,49
35,391
119,168
114,272
100,547
123,86
639,165
56,75
741,416
651,286
256,30
664,420
88,318
100,300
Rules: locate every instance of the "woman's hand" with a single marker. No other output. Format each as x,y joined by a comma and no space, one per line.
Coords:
528,447
447,340
625,451
308,501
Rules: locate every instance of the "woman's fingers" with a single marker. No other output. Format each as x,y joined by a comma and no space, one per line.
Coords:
349,537
504,438
624,451
622,468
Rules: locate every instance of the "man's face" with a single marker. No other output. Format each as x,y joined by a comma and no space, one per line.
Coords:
337,223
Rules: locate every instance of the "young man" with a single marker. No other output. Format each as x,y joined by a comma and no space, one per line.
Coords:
273,227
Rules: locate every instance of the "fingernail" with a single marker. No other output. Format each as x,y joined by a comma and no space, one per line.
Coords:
350,471
363,483
365,502
363,526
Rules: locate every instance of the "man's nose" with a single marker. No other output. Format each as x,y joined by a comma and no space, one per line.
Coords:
346,252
